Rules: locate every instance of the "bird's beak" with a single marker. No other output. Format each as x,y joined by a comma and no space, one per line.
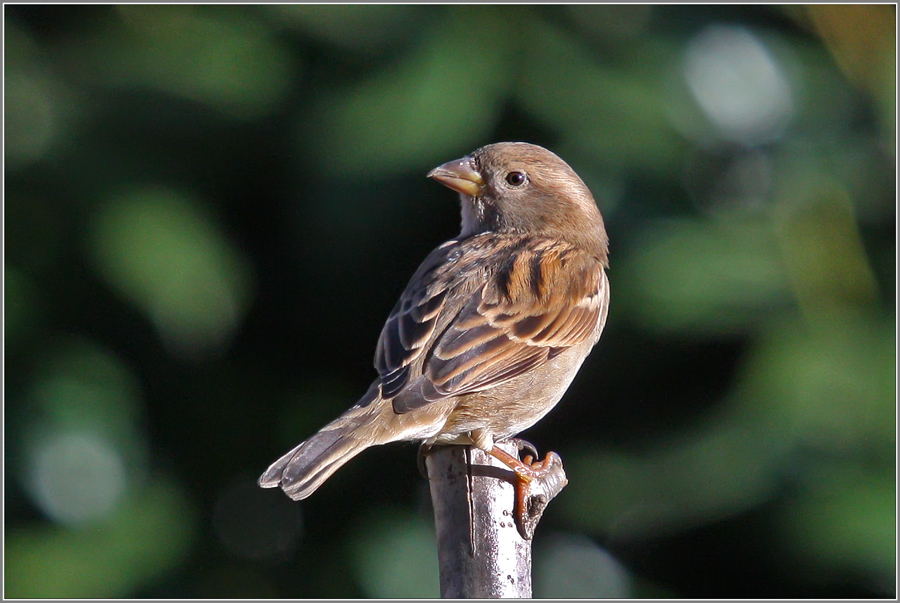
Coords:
459,175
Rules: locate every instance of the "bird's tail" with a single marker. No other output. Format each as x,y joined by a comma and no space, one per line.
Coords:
302,470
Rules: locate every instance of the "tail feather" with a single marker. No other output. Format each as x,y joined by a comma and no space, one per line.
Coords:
302,470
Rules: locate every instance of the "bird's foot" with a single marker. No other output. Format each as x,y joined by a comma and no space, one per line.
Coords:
536,484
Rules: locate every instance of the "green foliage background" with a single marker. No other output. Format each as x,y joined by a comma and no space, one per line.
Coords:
210,210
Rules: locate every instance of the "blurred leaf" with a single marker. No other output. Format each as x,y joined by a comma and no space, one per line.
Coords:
165,255
615,115
361,28
395,557
821,245
863,40
844,523
444,97
223,59
611,23
82,385
728,465
32,116
832,389
703,278
148,537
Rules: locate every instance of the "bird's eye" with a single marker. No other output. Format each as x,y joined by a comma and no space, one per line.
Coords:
515,179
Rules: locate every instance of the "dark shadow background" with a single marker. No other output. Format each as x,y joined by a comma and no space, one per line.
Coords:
210,211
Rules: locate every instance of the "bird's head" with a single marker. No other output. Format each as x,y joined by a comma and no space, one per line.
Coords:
516,187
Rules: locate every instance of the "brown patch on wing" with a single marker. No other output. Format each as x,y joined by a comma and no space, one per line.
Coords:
450,336
548,297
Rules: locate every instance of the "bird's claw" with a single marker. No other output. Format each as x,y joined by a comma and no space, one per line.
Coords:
536,486
526,445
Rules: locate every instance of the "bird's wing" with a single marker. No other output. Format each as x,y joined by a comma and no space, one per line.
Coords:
414,319
548,296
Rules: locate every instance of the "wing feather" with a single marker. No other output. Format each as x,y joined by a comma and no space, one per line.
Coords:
476,330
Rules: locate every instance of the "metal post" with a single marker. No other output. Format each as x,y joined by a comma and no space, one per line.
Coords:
480,551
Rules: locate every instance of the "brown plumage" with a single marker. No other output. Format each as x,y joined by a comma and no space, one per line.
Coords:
493,325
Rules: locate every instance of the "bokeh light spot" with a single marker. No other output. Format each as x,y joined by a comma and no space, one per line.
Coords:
739,84
76,477
571,566
253,523
395,557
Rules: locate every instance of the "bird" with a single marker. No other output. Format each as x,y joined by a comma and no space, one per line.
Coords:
492,327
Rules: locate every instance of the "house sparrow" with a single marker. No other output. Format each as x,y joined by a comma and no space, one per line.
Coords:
491,329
